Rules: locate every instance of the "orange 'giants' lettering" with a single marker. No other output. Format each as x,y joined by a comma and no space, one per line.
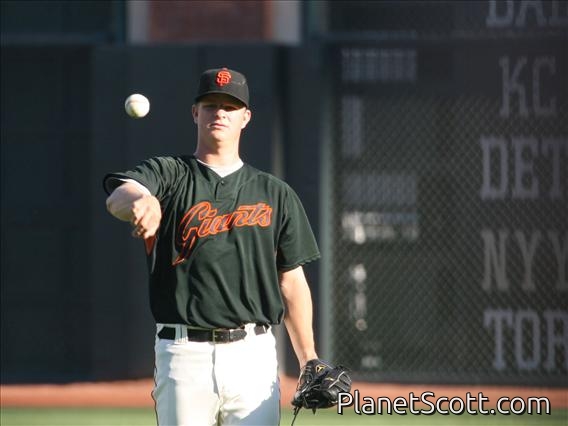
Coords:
206,222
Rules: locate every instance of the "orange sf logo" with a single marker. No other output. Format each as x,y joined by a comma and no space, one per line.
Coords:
223,77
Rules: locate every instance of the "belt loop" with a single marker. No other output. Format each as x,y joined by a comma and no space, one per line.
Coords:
181,334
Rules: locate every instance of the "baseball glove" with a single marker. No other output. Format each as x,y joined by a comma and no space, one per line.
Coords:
319,385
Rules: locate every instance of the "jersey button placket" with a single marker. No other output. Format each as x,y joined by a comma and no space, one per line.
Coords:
221,189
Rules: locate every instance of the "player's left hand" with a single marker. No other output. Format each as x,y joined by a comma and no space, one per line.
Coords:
320,384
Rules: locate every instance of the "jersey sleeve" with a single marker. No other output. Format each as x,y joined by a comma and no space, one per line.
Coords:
156,174
297,244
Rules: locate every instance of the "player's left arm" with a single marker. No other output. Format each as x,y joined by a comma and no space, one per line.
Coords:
298,313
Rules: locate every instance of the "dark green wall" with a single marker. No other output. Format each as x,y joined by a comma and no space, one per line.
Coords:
74,289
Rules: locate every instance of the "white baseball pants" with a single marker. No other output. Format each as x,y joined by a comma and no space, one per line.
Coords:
205,384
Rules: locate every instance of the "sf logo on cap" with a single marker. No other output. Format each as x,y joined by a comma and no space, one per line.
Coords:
223,77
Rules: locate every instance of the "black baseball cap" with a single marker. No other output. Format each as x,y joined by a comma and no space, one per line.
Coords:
225,81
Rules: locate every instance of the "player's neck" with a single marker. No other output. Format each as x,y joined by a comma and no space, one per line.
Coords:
217,157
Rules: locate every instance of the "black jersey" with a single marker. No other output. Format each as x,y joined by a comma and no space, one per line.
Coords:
222,240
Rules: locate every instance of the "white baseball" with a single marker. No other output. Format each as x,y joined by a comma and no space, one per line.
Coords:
137,105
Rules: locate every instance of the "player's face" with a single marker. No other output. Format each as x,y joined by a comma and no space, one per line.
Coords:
221,117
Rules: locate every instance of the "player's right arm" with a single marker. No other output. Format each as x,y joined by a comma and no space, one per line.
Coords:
129,203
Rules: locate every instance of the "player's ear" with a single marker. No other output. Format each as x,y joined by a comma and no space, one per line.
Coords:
194,113
246,118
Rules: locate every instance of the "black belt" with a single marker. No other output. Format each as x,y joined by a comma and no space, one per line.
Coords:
219,335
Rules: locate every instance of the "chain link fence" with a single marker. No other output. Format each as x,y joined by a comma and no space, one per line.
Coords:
449,215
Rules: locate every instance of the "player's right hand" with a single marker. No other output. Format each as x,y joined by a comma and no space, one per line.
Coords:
146,216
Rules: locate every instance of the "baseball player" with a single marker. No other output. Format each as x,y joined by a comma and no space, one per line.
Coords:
225,245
